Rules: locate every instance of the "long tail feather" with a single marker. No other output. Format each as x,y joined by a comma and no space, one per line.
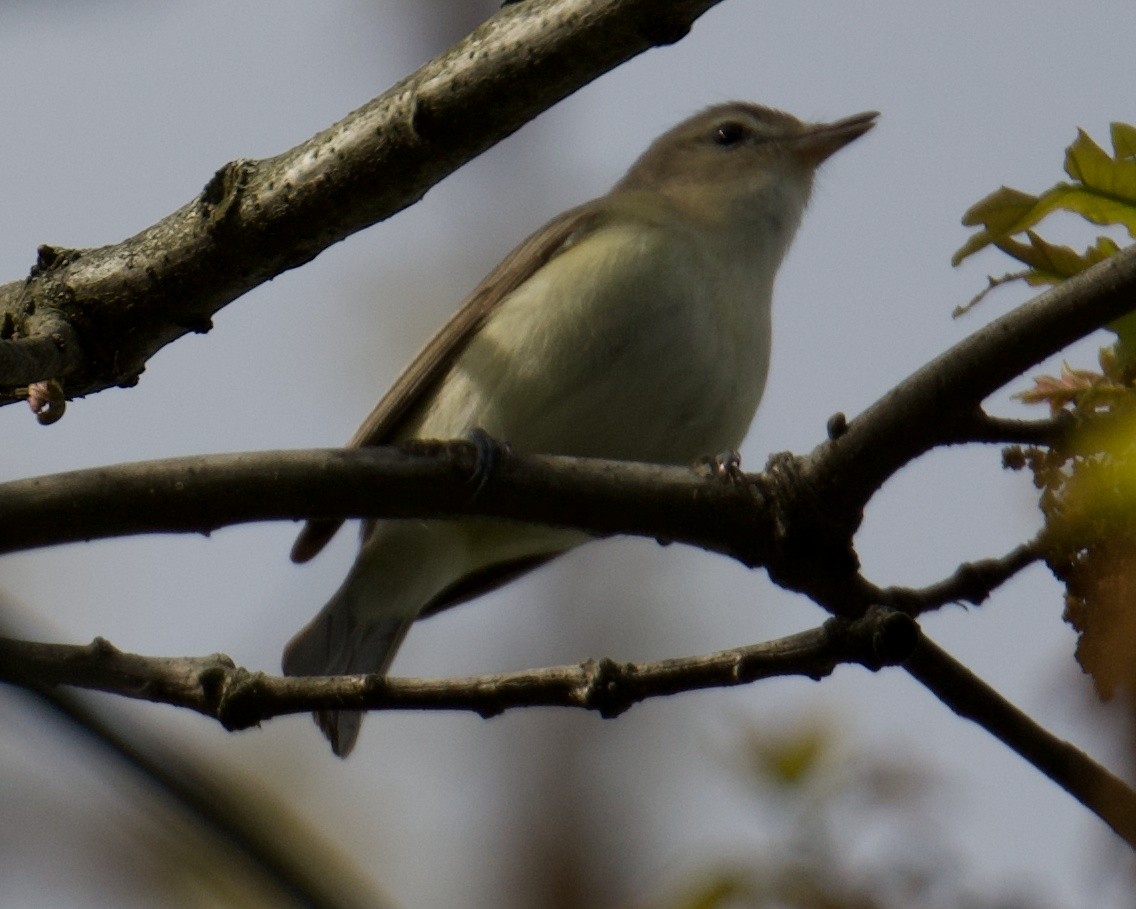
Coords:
335,644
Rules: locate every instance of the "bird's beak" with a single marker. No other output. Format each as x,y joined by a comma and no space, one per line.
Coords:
819,141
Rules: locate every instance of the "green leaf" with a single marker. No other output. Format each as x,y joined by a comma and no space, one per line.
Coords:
1091,205
1104,192
1050,263
1100,173
1085,161
1125,348
1002,213
1123,140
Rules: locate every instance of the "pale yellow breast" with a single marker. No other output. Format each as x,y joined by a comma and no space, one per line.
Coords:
640,342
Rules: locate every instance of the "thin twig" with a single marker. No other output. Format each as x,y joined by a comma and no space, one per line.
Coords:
215,687
992,282
971,582
1106,795
1047,432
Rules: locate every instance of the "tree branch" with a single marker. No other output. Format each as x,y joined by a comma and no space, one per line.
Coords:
216,687
1047,432
937,404
1107,796
804,510
51,350
256,219
798,518
821,498
418,479
972,582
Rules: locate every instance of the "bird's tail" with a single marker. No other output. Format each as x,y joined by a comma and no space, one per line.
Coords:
402,568
335,642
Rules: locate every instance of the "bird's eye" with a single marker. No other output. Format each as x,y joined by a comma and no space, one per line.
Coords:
730,133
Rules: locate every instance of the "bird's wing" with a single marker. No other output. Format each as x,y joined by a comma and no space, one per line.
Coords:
418,380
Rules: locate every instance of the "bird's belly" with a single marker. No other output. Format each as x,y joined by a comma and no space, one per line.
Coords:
634,365
665,397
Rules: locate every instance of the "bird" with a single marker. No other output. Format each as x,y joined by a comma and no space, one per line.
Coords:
636,326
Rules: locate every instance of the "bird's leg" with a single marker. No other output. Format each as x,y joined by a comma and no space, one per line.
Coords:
487,451
726,465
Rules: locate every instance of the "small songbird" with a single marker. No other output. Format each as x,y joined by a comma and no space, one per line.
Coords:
636,327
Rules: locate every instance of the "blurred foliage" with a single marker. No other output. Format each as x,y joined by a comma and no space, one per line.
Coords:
1088,498
176,828
855,832
1088,482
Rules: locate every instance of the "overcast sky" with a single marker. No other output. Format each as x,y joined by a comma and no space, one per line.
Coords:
117,113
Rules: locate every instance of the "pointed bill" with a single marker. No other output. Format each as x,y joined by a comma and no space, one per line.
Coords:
822,140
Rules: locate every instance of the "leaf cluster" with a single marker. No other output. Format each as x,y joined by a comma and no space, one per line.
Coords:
1088,483
820,794
1102,190
1088,499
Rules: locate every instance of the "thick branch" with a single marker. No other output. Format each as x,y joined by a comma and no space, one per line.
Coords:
804,509
1107,796
51,350
216,687
423,479
939,403
821,497
256,219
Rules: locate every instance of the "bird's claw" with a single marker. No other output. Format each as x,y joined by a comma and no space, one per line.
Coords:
487,452
726,465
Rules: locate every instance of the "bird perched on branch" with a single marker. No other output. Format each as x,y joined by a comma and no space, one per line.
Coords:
635,327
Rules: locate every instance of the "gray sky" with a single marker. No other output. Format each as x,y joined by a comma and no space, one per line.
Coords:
118,113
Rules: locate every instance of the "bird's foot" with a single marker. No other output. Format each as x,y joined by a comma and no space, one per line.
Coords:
726,466
487,452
